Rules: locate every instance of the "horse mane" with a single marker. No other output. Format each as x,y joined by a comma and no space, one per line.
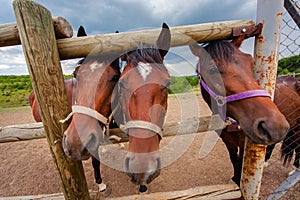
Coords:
220,50
146,54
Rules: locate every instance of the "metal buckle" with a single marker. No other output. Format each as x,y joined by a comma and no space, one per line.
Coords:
220,100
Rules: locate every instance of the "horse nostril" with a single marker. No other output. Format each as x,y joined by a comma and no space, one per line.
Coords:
91,143
263,130
127,164
158,163
85,152
64,144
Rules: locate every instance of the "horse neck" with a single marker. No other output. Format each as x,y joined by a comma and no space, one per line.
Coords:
69,84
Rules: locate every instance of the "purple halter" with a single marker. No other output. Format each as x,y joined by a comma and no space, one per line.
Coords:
221,100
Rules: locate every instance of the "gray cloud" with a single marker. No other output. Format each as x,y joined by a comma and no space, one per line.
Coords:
107,16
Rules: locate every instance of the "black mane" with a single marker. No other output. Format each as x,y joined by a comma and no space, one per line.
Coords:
220,50
145,54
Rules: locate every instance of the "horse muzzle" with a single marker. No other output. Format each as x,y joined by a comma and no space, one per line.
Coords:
142,168
270,131
73,153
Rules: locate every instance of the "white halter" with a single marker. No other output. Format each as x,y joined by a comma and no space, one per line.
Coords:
86,111
144,125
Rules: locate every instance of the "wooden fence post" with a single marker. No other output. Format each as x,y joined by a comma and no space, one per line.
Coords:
36,31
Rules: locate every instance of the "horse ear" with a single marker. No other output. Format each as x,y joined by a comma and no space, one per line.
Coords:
81,32
124,57
76,71
237,41
196,49
164,40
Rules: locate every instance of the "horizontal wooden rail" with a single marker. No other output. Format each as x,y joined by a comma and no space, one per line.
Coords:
116,43
109,44
36,130
9,34
213,192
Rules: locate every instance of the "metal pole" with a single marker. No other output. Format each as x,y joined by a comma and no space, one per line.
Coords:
269,13
285,185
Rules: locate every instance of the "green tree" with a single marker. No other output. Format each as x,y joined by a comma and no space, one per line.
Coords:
289,65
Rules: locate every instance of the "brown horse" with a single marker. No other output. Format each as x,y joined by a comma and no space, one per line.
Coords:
287,99
143,89
69,84
227,80
89,94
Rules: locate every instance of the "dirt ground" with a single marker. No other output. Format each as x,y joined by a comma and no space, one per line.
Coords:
26,168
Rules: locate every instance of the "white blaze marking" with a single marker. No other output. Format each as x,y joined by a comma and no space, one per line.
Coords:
93,66
144,69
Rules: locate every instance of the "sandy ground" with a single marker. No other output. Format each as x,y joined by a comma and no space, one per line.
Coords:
26,168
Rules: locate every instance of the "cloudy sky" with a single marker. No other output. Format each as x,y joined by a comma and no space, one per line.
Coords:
107,16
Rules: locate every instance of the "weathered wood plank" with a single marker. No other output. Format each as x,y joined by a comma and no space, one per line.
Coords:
36,130
213,192
119,43
105,44
22,132
9,34
38,40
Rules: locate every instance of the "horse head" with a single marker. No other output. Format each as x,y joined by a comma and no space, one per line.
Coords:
228,74
96,78
143,89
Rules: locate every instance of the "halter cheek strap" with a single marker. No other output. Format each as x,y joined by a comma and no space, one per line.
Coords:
221,100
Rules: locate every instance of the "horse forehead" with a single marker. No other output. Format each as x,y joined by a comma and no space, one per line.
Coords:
93,65
144,69
153,72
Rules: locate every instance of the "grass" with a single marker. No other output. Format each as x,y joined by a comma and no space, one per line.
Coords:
12,109
14,90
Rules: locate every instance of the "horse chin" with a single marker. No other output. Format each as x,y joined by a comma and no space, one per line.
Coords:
136,177
254,139
74,154
78,157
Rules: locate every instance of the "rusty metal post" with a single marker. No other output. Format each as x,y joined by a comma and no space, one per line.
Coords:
269,13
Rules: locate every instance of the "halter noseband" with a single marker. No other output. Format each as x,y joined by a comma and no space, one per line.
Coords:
92,113
144,125
86,111
221,100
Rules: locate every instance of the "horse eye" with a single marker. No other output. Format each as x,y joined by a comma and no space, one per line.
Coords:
121,84
213,70
115,78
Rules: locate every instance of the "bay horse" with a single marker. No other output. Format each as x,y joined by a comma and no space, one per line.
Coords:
143,91
89,95
227,83
230,90
287,99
